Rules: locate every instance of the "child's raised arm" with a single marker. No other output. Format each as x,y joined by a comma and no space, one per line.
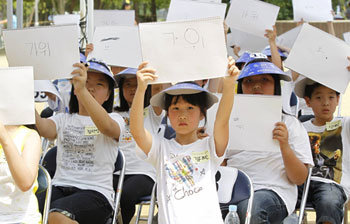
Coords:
24,166
221,126
105,124
275,56
142,137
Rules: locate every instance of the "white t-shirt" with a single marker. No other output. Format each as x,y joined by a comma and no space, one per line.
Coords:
85,157
186,187
267,170
287,89
134,164
330,150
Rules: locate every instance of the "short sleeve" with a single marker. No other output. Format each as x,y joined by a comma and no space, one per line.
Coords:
154,153
120,121
299,140
215,158
59,120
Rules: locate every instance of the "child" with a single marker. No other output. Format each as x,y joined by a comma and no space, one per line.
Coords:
139,175
87,140
330,180
275,175
20,150
186,166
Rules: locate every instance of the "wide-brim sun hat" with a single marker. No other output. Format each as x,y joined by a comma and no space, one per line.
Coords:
101,67
262,66
299,88
158,100
126,73
267,52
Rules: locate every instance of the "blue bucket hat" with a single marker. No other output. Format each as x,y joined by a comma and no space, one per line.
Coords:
262,66
126,73
158,100
267,52
101,67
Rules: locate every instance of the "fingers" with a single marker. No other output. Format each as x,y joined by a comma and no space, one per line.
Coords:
280,132
143,65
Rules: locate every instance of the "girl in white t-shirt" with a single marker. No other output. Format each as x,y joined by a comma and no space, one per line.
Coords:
185,165
87,148
275,175
20,150
139,175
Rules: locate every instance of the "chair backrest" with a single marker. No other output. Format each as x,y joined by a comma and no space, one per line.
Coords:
44,182
49,161
241,188
119,166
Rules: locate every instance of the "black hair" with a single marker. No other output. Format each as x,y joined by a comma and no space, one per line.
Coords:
107,105
197,99
309,89
124,106
277,85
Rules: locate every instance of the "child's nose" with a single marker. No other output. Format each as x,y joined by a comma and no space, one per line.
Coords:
256,86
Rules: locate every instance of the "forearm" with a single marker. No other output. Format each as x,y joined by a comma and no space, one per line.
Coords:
221,126
295,169
43,126
136,115
225,105
21,171
105,124
275,56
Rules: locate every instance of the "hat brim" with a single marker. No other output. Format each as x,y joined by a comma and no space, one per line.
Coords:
263,68
110,77
299,88
158,100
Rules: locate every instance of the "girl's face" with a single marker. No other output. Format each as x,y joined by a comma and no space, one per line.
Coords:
98,87
129,89
259,84
184,117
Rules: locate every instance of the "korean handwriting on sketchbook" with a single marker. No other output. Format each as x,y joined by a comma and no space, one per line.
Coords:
191,37
38,48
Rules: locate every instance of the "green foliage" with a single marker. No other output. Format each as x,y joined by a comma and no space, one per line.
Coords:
286,9
145,9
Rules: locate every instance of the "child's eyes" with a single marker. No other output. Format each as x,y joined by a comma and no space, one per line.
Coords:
190,108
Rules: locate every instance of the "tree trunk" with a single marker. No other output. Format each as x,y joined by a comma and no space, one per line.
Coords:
61,6
154,10
136,8
31,15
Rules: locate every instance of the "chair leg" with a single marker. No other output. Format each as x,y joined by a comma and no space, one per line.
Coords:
304,218
345,221
138,214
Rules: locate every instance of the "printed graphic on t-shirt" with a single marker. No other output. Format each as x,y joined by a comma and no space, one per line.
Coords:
186,172
126,136
78,149
327,153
